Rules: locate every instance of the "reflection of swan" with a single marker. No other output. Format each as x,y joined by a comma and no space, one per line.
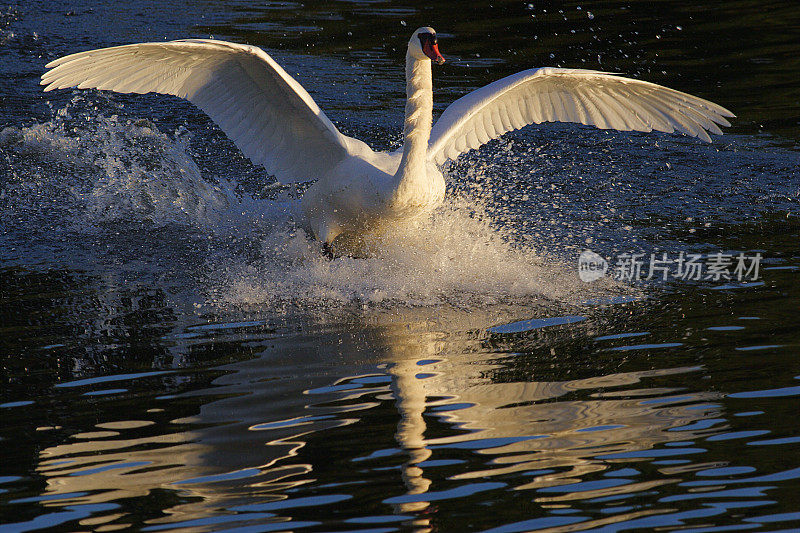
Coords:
261,432
277,124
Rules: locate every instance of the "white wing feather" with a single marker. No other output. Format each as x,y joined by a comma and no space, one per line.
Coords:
569,95
268,114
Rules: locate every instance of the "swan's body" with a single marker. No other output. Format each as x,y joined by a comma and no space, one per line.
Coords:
277,124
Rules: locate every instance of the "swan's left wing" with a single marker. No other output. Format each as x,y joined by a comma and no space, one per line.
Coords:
270,117
569,95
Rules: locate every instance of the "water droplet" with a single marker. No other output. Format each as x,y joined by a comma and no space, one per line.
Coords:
402,22
590,15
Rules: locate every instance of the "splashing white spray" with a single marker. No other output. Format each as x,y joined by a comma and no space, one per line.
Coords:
108,170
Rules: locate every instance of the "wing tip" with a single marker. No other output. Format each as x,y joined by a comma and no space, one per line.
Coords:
721,121
56,62
704,136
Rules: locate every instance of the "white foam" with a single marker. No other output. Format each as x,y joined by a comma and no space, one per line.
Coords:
458,257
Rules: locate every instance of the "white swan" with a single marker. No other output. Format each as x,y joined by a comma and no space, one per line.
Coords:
277,124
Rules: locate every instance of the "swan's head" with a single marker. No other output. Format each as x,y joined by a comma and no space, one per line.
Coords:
423,44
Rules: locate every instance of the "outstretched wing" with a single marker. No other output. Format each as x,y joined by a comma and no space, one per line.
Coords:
569,95
269,116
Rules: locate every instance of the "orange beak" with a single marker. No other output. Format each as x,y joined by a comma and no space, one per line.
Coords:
432,51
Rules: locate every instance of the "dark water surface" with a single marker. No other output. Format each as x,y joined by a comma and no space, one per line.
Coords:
175,355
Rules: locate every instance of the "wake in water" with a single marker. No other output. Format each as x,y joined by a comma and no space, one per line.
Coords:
84,176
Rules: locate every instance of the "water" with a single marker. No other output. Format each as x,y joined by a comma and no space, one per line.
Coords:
176,354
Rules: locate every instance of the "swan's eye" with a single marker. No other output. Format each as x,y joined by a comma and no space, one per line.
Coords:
427,39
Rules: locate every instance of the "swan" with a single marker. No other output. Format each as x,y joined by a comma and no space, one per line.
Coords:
275,122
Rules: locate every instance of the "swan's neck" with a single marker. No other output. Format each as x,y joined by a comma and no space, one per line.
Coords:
411,175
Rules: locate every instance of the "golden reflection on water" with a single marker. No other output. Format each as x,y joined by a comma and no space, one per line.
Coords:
242,446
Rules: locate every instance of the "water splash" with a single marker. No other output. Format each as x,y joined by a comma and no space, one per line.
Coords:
106,168
96,174
458,257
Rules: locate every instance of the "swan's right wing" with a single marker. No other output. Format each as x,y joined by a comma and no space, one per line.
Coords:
270,117
552,94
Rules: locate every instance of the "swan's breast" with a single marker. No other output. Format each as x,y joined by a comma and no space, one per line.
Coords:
360,195
419,195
